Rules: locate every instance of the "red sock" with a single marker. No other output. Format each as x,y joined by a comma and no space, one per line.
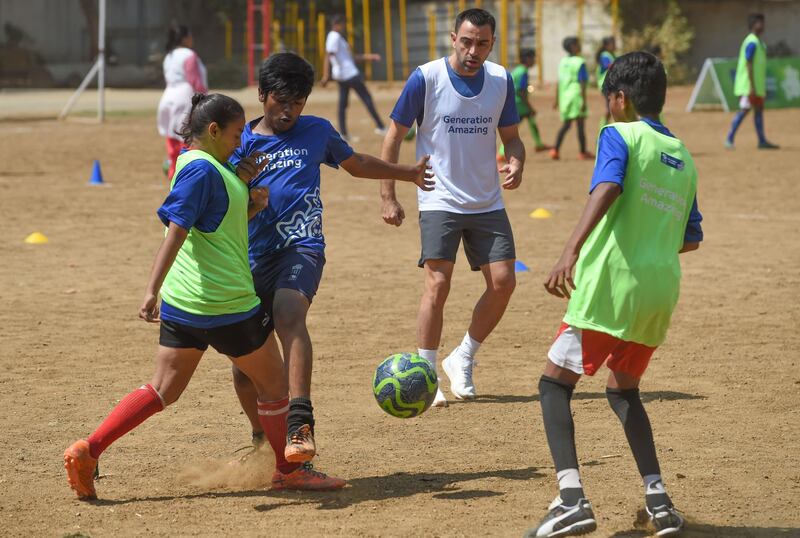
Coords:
272,416
131,411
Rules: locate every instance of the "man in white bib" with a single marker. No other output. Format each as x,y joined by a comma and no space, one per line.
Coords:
460,103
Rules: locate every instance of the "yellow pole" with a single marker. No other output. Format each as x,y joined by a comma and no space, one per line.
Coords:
367,40
228,39
517,28
296,22
387,35
348,11
321,39
539,41
504,32
614,17
432,33
403,38
301,38
462,5
312,18
580,20
478,3
276,35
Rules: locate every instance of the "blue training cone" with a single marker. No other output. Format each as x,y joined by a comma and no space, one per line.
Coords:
97,175
520,267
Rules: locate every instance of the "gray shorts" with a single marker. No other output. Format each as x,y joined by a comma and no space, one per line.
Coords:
487,237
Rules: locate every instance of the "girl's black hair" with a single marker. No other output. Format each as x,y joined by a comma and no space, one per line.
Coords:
527,53
176,34
604,43
642,78
569,42
753,18
208,109
286,76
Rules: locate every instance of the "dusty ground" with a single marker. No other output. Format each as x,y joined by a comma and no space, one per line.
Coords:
722,393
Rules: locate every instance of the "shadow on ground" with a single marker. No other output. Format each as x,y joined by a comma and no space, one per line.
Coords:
655,396
695,529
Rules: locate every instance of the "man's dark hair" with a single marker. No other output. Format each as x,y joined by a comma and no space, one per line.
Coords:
287,76
569,42
642,78
478,17
338,18
753,18
525,54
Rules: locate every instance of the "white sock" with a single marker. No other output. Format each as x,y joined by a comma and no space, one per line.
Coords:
653,484
569,478
469,346
429,355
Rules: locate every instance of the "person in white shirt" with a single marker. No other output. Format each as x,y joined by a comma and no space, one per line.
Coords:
459,104
185,75
340,66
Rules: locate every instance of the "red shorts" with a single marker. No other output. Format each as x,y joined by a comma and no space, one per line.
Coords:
584,351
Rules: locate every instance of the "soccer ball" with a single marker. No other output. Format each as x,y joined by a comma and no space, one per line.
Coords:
405,385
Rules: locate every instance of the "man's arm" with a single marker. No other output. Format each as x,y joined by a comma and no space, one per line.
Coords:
326,71
390,152
560,281
515,155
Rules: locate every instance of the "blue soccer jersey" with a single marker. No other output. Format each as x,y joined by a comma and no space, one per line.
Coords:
293,216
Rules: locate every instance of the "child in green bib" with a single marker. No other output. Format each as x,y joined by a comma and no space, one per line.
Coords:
621,274
571,97
519,75
750,84
604,58
208,298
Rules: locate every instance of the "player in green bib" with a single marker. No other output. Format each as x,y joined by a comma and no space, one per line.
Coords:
750,85
208,298
571,97
604,58
621,273
519,75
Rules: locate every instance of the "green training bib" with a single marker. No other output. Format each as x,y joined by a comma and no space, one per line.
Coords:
570,99
742,81
601,75
628,273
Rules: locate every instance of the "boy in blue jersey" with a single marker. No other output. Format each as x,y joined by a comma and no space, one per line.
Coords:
287,248
621,273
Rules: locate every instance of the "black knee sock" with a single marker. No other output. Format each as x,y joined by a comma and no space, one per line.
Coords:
554,397
561,133
300,412
581,134
628,407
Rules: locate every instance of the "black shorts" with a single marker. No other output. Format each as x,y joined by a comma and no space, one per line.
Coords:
487,237
234,340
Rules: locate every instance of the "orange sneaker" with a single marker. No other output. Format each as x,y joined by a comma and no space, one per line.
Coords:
80,466
300,445
554,154
305,478
585,156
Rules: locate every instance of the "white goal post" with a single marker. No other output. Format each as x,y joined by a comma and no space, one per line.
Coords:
99,69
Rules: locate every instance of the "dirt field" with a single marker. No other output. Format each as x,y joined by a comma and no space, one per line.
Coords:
722,393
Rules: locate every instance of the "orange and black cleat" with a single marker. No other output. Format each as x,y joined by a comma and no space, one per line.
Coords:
80,466
300,445
585,156
554,154
305,478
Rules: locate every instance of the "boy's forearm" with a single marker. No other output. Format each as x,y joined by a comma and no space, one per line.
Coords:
599,201
165,257
369,167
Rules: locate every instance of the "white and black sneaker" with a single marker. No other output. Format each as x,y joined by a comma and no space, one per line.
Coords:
666,520
564,520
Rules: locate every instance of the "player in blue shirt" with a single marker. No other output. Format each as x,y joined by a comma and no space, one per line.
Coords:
287,247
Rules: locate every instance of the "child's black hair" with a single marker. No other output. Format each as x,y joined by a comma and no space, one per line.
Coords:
569,42
527,53
208,109
477,16
338,18
753,18
604,43
642,78
287,76
176,34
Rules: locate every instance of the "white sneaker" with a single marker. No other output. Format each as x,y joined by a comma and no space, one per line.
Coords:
459,369
439,400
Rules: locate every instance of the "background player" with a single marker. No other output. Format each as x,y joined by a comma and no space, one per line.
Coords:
604,58
751,82
208,300
623,253
525,109
571,96
459,104
287,247
341,66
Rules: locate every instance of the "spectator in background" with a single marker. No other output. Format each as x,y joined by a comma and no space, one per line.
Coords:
340,66
185,75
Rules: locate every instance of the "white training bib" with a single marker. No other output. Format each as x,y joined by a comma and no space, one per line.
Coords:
460,135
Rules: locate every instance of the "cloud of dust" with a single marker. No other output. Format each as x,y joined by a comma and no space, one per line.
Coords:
251,469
